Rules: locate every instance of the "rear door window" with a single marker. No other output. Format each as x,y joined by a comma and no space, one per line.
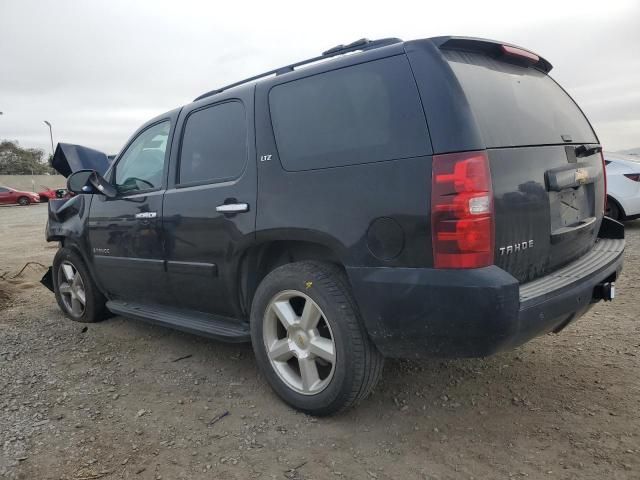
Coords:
214,144
517,106
363,113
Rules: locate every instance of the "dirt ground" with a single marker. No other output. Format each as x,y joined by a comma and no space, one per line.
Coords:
123,399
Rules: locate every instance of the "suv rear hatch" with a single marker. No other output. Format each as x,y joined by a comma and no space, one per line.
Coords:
544,157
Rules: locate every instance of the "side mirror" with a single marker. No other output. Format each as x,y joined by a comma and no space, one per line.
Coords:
90,181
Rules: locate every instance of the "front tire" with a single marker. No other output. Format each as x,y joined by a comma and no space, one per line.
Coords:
76,293
309,340
24,201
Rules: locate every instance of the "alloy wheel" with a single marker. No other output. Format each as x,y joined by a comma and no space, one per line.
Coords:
299,342
71,288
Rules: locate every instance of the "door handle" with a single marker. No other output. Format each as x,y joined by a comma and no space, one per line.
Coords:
146,215
233,208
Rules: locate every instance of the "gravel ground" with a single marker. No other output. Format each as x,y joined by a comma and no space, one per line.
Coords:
123,399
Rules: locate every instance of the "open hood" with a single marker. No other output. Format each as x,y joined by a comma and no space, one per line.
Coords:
70,158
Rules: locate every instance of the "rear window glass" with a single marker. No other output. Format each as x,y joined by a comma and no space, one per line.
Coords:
515,106
365,113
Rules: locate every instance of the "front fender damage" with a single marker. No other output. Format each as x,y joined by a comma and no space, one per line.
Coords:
66,219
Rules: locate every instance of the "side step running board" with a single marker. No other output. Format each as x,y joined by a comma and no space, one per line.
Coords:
207,325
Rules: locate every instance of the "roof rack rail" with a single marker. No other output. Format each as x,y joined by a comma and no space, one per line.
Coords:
362,44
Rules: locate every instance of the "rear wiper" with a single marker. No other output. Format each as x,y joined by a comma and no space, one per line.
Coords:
586,151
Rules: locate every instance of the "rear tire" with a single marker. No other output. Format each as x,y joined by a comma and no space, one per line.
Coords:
76,293
323,361
613,210
24,201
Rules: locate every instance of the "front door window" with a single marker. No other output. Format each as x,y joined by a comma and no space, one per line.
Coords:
141,166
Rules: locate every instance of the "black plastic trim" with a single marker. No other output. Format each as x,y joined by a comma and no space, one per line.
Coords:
128,262
207,325
193,268
611,228
604,252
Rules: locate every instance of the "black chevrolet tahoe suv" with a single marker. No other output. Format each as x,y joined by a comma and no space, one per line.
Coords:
440,197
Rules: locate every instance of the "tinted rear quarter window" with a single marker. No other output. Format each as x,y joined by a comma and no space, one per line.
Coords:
363,113
515,105
214,144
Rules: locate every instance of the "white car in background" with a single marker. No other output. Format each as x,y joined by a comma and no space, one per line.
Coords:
623,186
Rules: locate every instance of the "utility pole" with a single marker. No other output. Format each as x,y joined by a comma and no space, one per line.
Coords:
51,135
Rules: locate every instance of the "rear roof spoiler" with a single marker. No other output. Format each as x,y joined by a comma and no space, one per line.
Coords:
494,49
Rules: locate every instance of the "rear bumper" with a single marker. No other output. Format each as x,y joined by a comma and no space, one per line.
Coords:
411,312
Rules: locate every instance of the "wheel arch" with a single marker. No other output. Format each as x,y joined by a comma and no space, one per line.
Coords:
261,259
612,199
73,245
66,242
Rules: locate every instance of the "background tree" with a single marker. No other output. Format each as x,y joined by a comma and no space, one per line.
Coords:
15,160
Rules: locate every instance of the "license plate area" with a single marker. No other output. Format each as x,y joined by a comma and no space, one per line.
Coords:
571,209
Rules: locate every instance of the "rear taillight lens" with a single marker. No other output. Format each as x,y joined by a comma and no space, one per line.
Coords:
461,211
633,176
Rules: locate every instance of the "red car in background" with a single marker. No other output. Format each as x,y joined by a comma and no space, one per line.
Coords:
11,195
53,193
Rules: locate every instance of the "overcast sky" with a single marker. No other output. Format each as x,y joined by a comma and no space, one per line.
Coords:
98,69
